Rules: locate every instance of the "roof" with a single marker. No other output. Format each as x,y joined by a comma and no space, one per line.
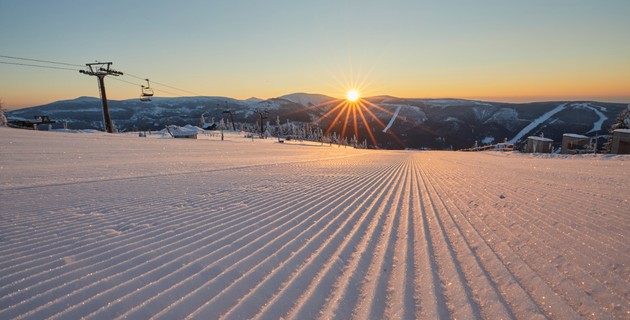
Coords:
540,138
575,135
622,130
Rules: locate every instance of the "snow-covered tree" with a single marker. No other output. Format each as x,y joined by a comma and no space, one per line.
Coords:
3,118
622,122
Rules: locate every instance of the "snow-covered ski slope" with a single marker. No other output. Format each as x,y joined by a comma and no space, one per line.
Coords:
103,226
537,122
391,121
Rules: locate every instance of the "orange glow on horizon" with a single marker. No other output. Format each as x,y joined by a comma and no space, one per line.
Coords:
354,113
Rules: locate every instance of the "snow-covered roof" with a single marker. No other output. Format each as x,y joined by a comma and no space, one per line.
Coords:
622,130
575,135
540,138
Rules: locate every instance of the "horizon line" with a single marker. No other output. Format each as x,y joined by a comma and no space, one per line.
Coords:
506,100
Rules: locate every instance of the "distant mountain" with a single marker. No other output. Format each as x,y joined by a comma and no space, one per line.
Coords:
307,99
418,123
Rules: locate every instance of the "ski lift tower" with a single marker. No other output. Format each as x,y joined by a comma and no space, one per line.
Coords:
262,115
100,70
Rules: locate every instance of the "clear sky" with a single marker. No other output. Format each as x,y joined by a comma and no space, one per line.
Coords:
498,50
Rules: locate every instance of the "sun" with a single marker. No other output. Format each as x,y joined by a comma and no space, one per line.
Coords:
347,117
352,95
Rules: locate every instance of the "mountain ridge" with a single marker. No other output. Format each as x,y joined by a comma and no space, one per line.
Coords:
419,123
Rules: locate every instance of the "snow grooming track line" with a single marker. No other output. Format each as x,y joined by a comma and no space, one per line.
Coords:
500,239
608,227
149,292
178,174
401,297
565,236
85,250
431,297
93,274
488,271
555,308
482,288
580,288
315,279
233,271
50,226
362,272
140,218
598,281
581,218
459,298
375,234
188,217
257,297
373,297
63,247
103,213
239,285
504,282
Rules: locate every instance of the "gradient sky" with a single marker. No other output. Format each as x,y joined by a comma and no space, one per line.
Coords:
495,50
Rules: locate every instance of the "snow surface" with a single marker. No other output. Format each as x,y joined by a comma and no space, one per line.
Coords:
102,226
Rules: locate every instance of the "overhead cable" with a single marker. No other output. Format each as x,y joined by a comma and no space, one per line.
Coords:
82,66
37,66
139,85
42,61
162,84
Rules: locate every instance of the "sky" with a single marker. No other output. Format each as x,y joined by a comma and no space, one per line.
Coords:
495,50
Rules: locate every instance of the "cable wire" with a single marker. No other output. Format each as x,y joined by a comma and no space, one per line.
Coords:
43,61
139,85
129,82
162,84
37,66
82,66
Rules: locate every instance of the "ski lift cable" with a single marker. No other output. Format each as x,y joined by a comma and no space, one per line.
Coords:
167,92
162,84
82,66
129,82
37,66
42,61
140,85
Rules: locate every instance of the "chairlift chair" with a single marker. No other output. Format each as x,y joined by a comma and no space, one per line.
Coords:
146,92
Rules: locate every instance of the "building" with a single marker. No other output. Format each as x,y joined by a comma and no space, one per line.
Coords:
182,132
621,141
537,144
576,143
30,124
